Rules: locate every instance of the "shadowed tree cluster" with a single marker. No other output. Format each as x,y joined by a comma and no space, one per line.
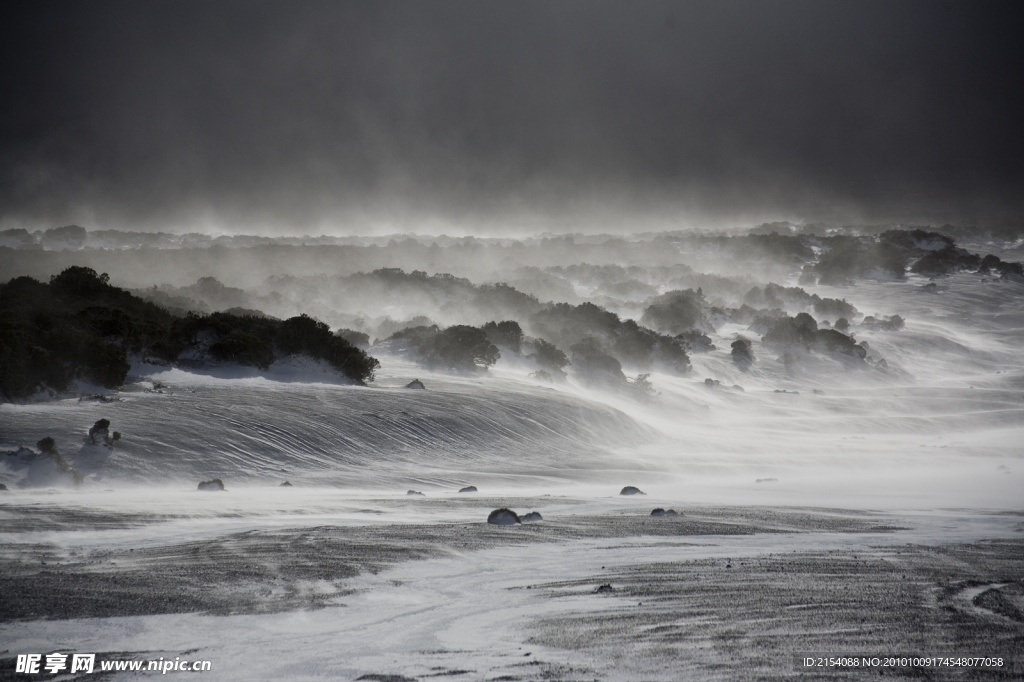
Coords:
460,347
78,326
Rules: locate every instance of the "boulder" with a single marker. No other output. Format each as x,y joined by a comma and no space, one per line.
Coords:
99,433
631,490
664,512
3,487
286,484
532,517
468,489
604,589
213,484
415,493
503,517
415,383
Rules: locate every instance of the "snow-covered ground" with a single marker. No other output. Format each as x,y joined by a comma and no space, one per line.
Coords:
862,512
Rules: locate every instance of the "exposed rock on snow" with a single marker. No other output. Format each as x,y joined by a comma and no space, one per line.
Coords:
468,489
98,398
715,383
604,588
532,517
503,517
213,484
415,493
100,434
3,487
415,383
631,490
99,431
286,484
658,511
767,480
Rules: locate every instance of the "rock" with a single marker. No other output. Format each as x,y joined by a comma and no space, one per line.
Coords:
892,323
3,487
415,493
503,517
286,484
767,480
415,383
782,390
468,489
99,431
213,484
664,512
532,517
604,588
631,490
98,398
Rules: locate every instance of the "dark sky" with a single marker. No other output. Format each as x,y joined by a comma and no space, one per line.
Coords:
481,115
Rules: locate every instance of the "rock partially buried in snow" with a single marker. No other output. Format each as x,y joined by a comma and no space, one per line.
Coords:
213,484
604,588
767,480
416,493
415,383
532,517
3,487
664,512
468,489
631,490
286,484
503,517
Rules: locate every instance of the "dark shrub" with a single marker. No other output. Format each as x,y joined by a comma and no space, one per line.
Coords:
357,339
507,334
742,353
696,341
893,323
832,341
849,258
945,262
595,367
460,347
791,331
834,307
677,312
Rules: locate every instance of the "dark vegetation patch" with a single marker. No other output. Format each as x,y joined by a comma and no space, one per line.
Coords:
79,326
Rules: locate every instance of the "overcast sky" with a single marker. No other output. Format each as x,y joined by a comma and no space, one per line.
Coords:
366,116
